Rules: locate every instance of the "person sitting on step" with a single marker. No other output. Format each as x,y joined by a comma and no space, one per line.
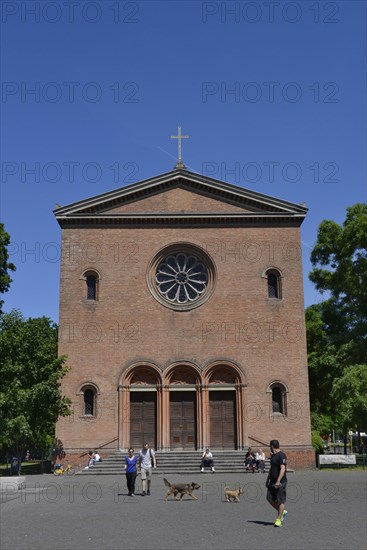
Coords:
260,461
207,460
96,458
90,460
250,461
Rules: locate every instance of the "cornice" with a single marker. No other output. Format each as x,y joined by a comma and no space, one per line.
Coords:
263,208
197,219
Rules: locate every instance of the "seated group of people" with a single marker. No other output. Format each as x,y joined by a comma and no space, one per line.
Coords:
255,461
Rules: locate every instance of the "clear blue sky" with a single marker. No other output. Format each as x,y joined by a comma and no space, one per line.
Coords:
112,81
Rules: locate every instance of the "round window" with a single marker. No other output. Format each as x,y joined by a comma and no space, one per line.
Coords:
181,276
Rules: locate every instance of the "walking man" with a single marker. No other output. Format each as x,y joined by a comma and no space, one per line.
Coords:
147,461
276,482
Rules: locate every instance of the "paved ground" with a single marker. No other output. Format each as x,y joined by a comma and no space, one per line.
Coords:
326,510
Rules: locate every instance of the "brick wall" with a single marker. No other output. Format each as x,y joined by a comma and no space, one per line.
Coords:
264,337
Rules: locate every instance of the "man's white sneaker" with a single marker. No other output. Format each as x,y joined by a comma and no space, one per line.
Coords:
213,470
202,469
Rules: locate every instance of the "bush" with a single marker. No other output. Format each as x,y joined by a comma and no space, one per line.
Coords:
317,442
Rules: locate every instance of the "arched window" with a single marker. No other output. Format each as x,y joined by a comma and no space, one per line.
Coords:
279,401
181,276
91,279
91,287
274,283
89,402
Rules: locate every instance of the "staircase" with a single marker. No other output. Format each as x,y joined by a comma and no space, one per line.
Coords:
176,462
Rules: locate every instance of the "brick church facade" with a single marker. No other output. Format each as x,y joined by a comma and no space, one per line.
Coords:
182,317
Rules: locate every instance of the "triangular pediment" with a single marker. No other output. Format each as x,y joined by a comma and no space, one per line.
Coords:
180,197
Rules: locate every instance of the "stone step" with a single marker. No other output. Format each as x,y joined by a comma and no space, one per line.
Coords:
180,471
165,474
195,460
176,462
184,456
173,467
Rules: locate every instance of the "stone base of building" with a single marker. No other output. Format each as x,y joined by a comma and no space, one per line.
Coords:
300,457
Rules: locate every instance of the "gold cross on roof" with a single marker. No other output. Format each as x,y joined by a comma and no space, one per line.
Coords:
179,137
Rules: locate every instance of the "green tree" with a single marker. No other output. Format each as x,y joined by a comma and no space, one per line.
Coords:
327,361
30,397
340,269
337,327
350,392
5,266
317,442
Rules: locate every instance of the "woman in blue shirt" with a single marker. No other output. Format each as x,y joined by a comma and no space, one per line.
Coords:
131,471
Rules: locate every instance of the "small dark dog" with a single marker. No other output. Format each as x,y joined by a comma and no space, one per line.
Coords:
232,495
180,488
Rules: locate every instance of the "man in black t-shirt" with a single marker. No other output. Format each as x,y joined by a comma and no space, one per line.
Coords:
277,482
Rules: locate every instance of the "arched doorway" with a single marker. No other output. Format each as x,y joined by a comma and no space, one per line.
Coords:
140,407
183,420
143,418
183,384
183,407
224,406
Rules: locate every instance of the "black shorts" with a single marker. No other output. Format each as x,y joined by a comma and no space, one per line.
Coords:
277,495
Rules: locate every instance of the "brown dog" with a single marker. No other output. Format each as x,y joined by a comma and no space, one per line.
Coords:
182,488
232,494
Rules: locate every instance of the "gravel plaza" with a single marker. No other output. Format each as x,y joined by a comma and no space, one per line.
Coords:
326,509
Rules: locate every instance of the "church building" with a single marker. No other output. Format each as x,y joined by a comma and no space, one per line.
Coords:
182,318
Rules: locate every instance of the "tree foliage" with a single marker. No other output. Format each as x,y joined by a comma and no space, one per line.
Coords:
340,268
30,398
5,265
350,392
317,442
337,327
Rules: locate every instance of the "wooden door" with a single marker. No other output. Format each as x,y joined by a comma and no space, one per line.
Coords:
222,410
183,420
143,419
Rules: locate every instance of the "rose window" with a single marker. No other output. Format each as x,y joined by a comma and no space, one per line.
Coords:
181,278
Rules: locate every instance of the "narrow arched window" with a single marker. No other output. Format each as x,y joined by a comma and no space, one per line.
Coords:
92,280
89,402
277,400
278,396
91,287
274,284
